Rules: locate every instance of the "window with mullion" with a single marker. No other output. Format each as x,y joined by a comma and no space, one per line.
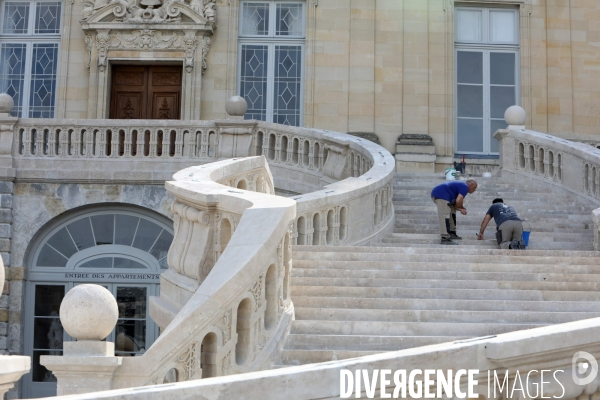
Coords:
29,39
487,48
271,58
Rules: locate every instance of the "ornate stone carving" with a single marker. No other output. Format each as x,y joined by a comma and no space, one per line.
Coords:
256,291
147,38
148,11
188,361
190,43
89,44
102,44
226,363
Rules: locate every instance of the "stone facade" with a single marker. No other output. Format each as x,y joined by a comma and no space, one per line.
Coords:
34,205
385,67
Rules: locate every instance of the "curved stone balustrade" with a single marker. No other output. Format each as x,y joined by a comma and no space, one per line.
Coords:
571,165
338,179
225,297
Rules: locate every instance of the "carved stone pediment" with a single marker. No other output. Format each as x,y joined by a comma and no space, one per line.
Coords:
149,11
177,27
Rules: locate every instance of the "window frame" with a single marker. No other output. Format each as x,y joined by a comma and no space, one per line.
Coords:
486,25
29,39
486,47
271,41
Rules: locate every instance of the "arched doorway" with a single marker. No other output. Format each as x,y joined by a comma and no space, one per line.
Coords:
122,248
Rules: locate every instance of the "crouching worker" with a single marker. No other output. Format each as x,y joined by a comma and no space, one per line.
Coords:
509,226
448,197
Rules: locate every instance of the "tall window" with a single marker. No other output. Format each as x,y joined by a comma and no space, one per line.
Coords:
29,38
487,75
271,49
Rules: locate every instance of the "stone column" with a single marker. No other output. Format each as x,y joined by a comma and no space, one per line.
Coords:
11,367
10,311
88,313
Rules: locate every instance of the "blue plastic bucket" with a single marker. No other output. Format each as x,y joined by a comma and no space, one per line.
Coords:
526,234
526,237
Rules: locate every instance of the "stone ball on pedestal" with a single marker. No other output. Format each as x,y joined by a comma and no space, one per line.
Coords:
89,312
515,115
6,103
236,106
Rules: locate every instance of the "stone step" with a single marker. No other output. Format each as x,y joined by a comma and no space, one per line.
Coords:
468,316
298,272
445,293
532,246
448,253
300,357
371,303
445,284
363,342
385,328
449,266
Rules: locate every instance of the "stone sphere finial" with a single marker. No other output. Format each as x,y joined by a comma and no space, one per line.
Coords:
515,115
89,312
236,106
6,103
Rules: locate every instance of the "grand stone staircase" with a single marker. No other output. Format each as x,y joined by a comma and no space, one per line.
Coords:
410,291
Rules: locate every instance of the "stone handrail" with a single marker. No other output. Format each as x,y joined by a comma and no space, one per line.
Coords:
343,184
225,300
537,363
570,165
355,207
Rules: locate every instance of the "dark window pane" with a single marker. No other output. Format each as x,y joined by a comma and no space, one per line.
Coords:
39,372
131,337
50,258
48,334
470,135
470,101
496,124
501,97
127,263
163,263
161,247
47,299
469,67
104,262
125,229
104,226
502,68
146,235
62,242
132,302
81,232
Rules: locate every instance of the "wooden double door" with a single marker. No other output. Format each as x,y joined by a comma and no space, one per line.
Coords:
145,92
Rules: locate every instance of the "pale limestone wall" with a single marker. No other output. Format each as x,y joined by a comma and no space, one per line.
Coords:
387,67
35,204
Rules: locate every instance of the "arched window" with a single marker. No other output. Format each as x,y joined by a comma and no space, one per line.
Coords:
123,248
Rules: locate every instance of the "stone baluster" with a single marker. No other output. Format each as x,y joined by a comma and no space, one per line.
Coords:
290,151
88,313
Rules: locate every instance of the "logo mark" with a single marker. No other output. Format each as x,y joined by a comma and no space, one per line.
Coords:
580,368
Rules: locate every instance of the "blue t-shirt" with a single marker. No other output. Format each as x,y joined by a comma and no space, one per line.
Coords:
450,190
502,213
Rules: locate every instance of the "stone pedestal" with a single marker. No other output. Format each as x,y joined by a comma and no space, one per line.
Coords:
12,368
415,153
87,366
88,313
